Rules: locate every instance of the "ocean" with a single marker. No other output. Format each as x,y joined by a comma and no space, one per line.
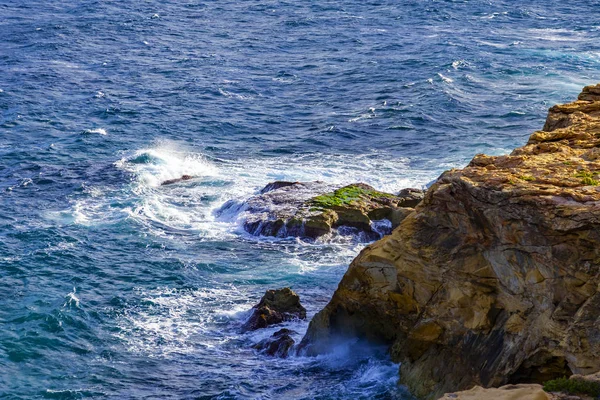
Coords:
113,286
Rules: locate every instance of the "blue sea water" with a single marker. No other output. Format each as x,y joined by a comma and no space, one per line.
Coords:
112,286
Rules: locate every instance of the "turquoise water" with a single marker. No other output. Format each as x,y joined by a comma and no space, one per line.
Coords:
112,286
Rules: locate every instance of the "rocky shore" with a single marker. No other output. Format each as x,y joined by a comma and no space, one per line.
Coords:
493,279
314,209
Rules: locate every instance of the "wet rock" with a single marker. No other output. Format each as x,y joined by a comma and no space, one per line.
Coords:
277,185
494,279
278,345
275,307
177,180
314,209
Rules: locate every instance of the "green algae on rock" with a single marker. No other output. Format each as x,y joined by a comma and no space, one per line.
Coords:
348,196
494,277
314,209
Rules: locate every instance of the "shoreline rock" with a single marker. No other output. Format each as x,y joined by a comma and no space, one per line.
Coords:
278,344
494,278
275,307
314,209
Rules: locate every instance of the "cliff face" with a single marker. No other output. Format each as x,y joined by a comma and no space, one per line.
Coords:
494,278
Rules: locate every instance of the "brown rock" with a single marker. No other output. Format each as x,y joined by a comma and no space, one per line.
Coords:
411,196
275,307
494,278
508,392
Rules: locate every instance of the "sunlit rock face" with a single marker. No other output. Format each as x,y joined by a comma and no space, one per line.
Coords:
494,278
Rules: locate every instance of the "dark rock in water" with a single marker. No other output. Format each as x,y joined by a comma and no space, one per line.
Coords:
171,181
278,345
314,209
276,185
275,307
411,196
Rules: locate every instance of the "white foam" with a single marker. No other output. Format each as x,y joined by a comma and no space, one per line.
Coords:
167,210
71,299
235,95
460,64
99,131
556,34
445,78
166,161
169,320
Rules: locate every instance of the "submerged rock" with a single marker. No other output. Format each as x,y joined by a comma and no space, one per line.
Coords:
177,180
277,185
275,307
314,209
278,345
494,278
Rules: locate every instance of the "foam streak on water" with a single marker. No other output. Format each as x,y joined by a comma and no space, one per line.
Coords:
115,286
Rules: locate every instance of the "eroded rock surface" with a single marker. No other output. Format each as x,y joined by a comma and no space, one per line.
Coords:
314,209
494,278
275,307
508,392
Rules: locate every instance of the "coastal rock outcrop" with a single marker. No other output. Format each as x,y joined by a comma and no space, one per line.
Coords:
494,278
314,209
278,345
275,307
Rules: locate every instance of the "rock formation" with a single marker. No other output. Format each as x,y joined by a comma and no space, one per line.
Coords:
278,345
494,278
177,180
508,392
314,209
275,307
577,387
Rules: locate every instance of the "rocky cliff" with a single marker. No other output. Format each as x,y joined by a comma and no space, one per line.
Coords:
494,277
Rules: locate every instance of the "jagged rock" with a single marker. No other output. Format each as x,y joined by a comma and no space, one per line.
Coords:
278,345
275,307
494,278
177,180
411,197
590,378
314,209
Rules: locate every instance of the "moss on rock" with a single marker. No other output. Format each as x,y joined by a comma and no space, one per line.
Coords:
347,196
